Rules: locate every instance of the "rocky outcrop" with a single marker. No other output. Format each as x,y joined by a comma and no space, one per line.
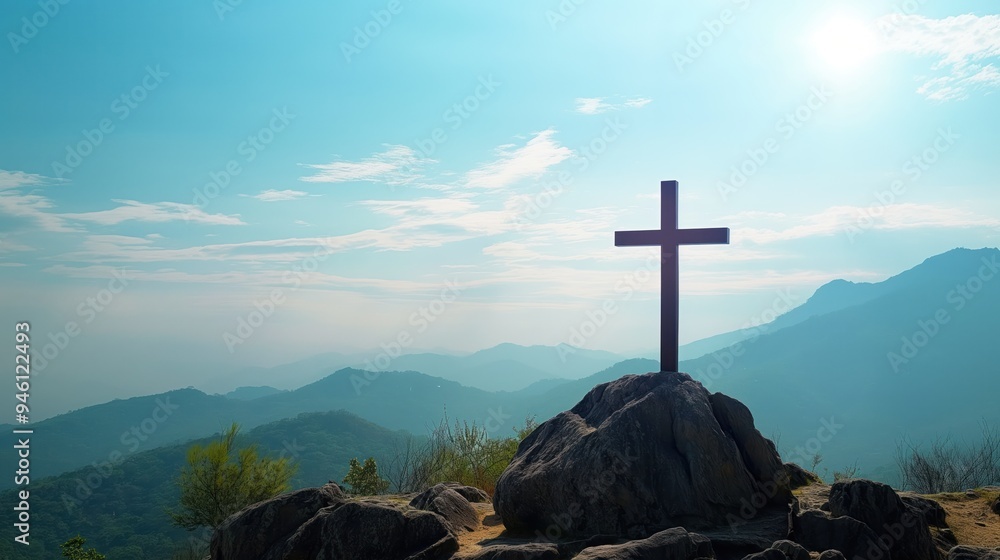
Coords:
902,526
260,531
791,550
799,477
973,553
371,530
638,455
471,493
931,511
529,551
450,505
323,523
675,544
817,531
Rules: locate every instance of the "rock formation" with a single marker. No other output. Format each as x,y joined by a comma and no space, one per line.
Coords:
638,455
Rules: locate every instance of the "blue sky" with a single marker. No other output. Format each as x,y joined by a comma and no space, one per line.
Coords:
210,152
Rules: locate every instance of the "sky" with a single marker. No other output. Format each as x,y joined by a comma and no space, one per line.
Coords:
188,188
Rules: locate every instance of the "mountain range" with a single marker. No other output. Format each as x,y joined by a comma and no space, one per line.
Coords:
848,375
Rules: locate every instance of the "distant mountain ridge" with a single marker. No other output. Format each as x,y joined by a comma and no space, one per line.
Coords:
914,355
505,367
834,362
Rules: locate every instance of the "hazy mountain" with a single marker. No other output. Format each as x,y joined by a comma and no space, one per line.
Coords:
123,511
397,400
251,393
506,367
915,355
833,296
834,364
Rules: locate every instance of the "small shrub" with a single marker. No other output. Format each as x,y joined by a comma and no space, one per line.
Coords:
364,480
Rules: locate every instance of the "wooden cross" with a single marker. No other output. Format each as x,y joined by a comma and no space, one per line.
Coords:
669,238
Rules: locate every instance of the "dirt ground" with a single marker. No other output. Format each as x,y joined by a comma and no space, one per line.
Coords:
969,518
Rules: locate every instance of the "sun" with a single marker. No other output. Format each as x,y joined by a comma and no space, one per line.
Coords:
845,43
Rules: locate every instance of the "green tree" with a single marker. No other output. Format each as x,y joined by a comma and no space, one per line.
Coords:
73,549
221,479
364,480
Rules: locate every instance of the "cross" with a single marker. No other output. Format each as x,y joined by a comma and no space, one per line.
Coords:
669,238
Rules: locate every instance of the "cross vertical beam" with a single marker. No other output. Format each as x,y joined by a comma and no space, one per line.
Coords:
669,238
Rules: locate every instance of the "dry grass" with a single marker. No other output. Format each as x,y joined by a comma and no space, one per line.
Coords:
970,517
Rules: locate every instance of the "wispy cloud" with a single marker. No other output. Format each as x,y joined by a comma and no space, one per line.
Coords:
19,200
397,165
963,46
598,105
157,212
514,164
838,220
272,195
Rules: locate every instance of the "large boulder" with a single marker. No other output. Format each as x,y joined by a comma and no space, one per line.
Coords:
673,544
374,531
639,455
260,530
799,477
471,493
903,526
817,531
449,504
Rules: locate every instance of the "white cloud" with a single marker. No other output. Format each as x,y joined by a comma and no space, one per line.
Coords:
598,105
962,45
515,164
272,195
398,165
156,212
839,220
14,201
591,105
638,103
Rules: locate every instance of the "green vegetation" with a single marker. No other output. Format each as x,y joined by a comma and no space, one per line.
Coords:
73,549
463,453
365,480
124,511
220,479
